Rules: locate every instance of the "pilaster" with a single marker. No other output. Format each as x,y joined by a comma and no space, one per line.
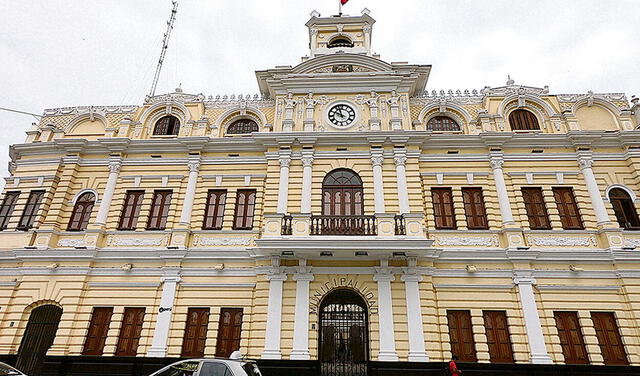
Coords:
301,325
165,312
384,277
412,279
377,159
537,347
276,279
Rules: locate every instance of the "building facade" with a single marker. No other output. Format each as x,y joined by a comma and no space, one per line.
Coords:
344,214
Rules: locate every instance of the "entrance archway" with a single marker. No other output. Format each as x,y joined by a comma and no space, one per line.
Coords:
344,334
38,338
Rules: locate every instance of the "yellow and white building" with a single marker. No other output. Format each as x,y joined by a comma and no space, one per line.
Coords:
497,223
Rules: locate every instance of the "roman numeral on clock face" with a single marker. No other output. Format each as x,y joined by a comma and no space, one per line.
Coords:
342,115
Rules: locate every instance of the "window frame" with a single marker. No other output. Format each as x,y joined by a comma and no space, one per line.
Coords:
440,205
499,351
624,209
443,123
130,212
606,347
536,211
463,329
247,215
100,331
6,209
475,211
159,210
130,348
233,330
194,346
565,207
214,211
167,126
518,121
30,211
566,323
82,210
242,127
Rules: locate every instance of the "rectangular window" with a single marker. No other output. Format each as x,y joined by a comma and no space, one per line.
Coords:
130,332
30,210
159,210
568,208
498,339
245,205
609,338
571,339
9,202
131,210
443,212
195,333
536,209
229,331
461,335
474,209
214,212
98,329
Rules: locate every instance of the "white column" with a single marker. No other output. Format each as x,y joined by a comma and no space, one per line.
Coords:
274,316
163,322
401,176
283,187
187,203
384,277
501,190
586,163
417,352
378,186
301,326
307,175
107,196
537,347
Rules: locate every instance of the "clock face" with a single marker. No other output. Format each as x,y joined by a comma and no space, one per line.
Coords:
342,115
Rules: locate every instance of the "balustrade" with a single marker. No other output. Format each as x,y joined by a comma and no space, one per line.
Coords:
343,225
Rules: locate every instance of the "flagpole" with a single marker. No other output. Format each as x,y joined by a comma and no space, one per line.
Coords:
340,8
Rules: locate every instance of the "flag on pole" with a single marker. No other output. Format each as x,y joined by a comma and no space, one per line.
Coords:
343,2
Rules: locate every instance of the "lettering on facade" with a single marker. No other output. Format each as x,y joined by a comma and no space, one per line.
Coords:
336,283
162,309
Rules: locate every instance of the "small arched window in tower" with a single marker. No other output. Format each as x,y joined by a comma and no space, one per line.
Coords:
442,124
523,120
242,126
340,42
167,126
625,211
81,212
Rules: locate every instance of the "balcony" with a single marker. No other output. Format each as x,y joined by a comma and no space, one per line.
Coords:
352,225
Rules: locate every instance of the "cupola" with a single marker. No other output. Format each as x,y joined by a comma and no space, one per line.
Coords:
340,34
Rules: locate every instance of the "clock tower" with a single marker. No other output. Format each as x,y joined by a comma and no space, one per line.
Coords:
340,34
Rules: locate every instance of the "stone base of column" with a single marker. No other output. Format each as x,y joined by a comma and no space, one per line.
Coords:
300,355
540,359
418,357
157,352
388,356
271,354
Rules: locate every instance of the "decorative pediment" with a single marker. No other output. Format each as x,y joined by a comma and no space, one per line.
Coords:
342,62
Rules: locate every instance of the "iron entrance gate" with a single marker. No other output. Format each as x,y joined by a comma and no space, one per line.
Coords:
38,338
344,334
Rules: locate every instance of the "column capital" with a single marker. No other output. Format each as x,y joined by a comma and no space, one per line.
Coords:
277,275
377,160
303,276
518,280
194,165
496,162
383,274
410,275
114,166
585,162
307,160
284,160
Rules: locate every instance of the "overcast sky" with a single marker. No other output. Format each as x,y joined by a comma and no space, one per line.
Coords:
59,53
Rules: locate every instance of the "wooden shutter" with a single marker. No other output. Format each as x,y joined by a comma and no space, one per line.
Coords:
498,339
609,338
523,120
30,210
474,209
461,335
245,205
214,212
159,210
536,209
130,332
568,208
131,210
195,333
9,202
571,338
229,331
443,212
98,329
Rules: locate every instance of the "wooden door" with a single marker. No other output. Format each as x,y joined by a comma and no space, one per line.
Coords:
98,329
130,332
498,339
571,339
38,338
461,335
609,338
195,333
229,331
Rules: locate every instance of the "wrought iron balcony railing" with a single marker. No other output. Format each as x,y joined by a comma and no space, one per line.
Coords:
286,225
343,225
400,226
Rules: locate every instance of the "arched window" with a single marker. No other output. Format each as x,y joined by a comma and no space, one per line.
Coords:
523,120
242,126
340,42
624,209
167,126
342,194
82,212
442,124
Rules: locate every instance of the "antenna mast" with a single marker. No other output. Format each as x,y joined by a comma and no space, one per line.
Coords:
165,45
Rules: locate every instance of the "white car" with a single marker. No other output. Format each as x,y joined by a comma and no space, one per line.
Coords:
210,367
7,370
